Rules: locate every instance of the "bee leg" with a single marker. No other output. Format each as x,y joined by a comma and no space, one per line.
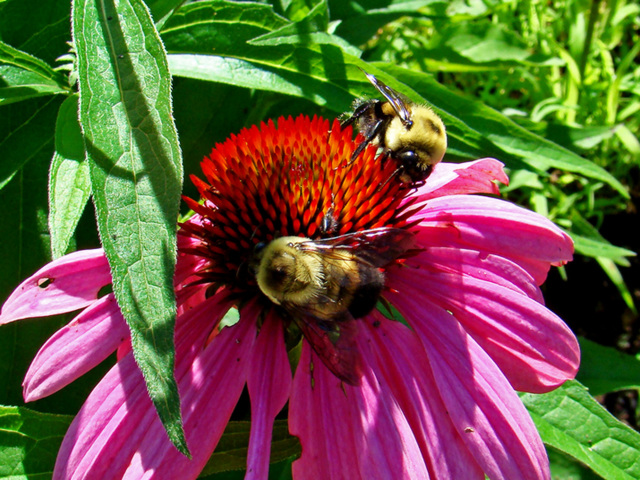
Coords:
367,140
357,113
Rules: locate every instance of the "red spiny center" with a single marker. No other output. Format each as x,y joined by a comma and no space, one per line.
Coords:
295,178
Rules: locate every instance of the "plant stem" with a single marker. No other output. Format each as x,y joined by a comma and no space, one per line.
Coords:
593,17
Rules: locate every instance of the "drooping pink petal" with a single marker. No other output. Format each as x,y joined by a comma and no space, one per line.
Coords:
69,283
349,432
209,391
482,404
401,366
118,419
532,346
495,226
187,263
104,425
76,348
269,385
478,176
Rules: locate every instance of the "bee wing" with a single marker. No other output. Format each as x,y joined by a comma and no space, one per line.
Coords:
394,98
334,342
377,247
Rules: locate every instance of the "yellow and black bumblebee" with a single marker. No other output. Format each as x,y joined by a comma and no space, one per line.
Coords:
410,134
323,285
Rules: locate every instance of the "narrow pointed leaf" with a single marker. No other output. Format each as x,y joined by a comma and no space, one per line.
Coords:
26,130
23,76
69,182
136,179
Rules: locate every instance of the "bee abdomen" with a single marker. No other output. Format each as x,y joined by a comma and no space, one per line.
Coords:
366,296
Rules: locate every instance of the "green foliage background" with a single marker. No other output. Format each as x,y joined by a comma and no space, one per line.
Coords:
552,89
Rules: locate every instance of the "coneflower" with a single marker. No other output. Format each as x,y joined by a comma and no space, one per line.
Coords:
436,392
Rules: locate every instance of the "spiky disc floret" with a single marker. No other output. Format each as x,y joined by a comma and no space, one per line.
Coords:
291,179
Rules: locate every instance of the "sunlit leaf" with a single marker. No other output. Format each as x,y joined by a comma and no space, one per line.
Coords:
23,76
29,442
570,420
136,179
69,182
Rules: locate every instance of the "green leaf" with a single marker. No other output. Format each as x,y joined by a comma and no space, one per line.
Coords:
361,20
29,442
26,129
244,73
594,247
589,242
233,22
224,28
36,27
309,30
162,8
570,420
481,44
24,237
231,452
298,10
613,272
23,76
605,369
578,138
629,140
566,468
69,182
136,179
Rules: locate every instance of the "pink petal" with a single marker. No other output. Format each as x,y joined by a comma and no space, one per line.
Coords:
209,392
349,432
117,432
76,348
92,446
400,364
532,346
495,226
69,283
482,404
478,176
481,265
269,384
187,264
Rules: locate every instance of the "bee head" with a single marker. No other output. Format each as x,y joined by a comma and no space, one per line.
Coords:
418,148
414,167
285,272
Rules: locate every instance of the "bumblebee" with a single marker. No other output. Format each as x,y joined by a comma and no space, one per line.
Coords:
410,134
323,285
